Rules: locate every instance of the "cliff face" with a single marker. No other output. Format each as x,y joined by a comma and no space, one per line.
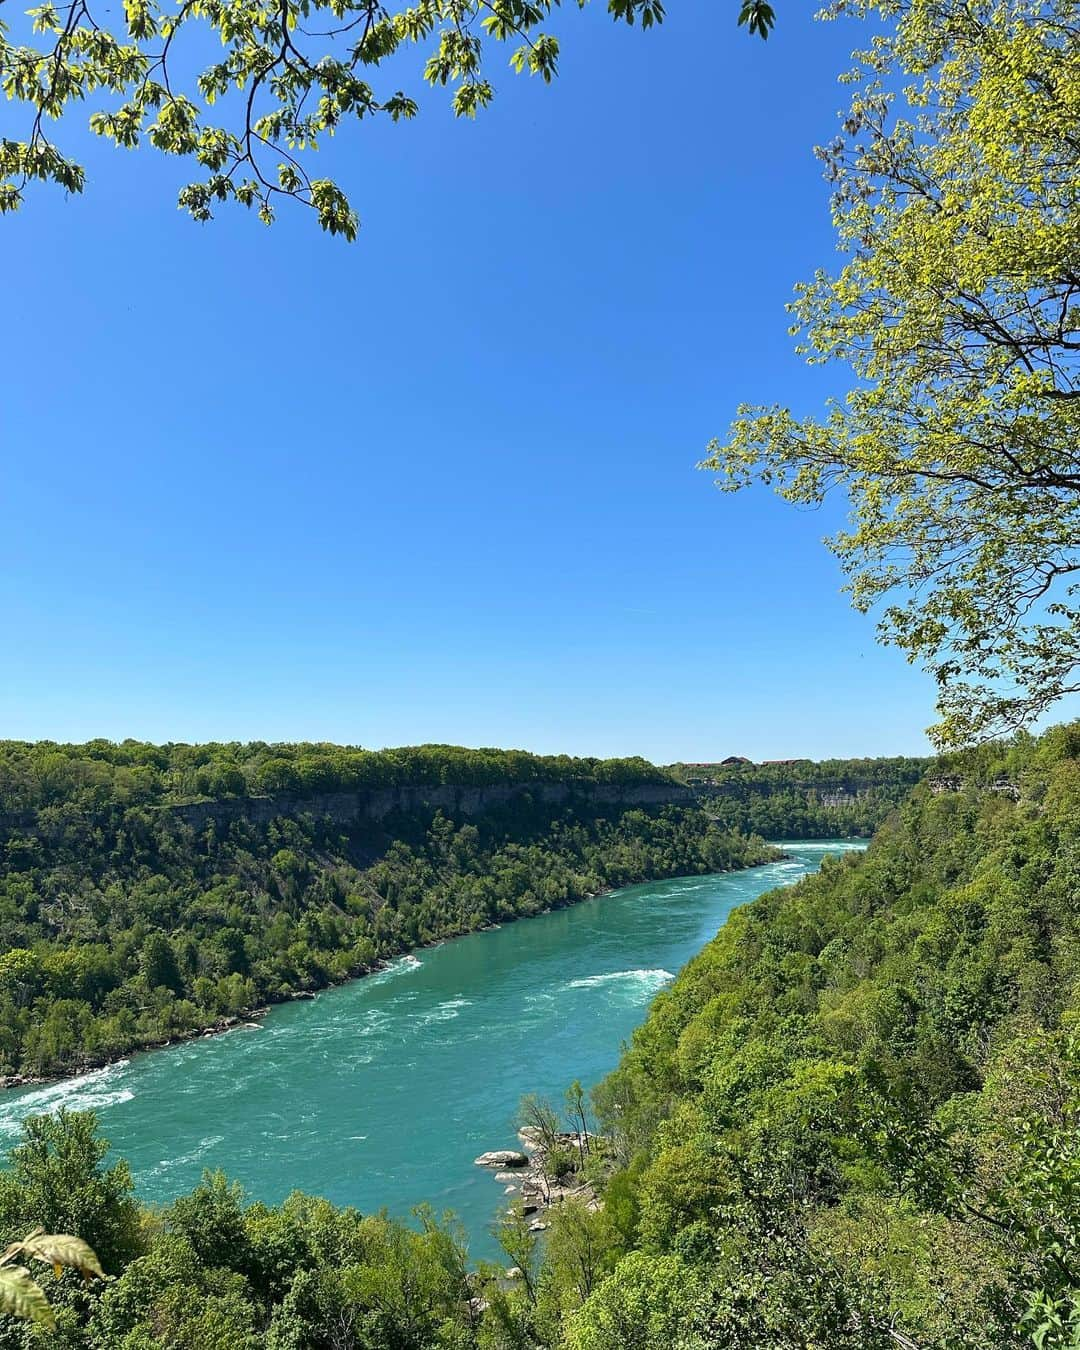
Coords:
824,793
841,796
378,803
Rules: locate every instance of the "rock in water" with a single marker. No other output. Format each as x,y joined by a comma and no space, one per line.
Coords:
502,1157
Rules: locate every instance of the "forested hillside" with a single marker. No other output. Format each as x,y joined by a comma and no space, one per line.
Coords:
802,798
122,925
853,1119
95,775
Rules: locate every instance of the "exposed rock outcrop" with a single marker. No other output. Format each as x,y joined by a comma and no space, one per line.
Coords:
541,1184
375,804
955,783
502,1157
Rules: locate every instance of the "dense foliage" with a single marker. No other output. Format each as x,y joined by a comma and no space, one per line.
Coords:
97,775
955,316
802,799
123,926
212,1272
854,1119
244,92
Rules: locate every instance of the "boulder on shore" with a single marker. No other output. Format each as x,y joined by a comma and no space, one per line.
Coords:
502,1157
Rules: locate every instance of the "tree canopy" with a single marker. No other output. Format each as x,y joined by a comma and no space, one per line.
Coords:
957,209
800,799
851,1121
103,773
135,910
246,89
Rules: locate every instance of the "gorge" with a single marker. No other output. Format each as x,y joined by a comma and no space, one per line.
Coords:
380,1093
848,1119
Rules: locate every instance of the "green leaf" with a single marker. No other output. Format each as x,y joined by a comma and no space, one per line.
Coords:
21,1296
62,1249
758,16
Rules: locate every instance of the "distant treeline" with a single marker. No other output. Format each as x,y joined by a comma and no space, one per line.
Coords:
121,926
96,773
802,798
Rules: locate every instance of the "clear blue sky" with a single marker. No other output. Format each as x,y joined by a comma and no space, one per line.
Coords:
440,484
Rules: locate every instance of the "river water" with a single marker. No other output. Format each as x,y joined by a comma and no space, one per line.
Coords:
382,1091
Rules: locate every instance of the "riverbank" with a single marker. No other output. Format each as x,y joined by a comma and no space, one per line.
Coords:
381,1092
249,1017
546,1173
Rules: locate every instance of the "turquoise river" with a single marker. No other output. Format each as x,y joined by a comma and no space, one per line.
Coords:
382,1091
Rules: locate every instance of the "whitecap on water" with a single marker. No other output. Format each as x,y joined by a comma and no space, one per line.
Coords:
823,845
373,1022
404,965
638,983
186,1159
444,1012
88,1092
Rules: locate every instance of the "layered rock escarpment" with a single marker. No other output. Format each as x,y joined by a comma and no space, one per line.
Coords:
375,804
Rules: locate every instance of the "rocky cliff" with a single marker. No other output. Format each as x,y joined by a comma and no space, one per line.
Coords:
378,803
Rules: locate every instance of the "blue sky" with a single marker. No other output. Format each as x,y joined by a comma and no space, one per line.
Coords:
440,484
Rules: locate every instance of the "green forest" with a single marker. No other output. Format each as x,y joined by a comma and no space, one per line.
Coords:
97,775
851,1122
122,926
803,799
